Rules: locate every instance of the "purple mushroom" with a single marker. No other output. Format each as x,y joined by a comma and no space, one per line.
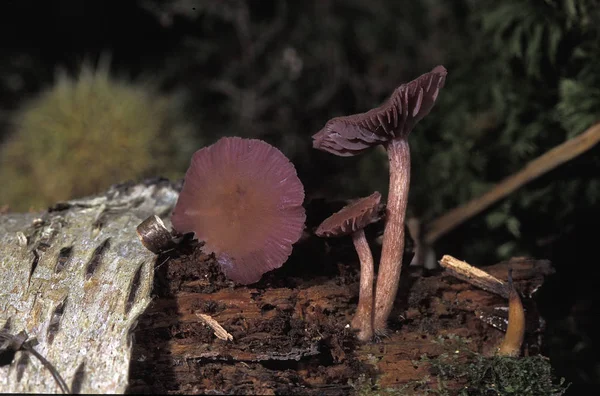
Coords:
389,124
242,197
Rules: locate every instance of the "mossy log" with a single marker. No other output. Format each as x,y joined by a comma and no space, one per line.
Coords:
112,317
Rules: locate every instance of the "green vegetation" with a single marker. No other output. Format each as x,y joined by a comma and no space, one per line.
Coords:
86,133
524,80
496,375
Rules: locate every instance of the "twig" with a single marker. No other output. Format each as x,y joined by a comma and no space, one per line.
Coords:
546,162
481,279
12,343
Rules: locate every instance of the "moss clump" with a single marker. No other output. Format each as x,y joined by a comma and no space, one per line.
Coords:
493,375
461,371
88,132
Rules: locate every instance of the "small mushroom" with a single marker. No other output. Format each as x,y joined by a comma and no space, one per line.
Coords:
515,331
242,197
389,124
352,219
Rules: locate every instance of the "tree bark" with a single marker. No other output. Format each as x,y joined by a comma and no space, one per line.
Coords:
77,279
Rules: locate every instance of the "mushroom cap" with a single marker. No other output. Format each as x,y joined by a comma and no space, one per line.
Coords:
395,118
242,197
351,218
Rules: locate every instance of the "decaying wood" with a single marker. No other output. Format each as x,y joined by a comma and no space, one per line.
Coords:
220,332
291,332
76,278
544,163
113,317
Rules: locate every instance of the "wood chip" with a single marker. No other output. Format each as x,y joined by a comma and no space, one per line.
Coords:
473,275
220,332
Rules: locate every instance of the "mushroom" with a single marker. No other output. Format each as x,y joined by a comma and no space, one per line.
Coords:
389,124
352,219
243,198
515,331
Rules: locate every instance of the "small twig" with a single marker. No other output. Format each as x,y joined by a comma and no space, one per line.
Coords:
220,332
544,163
12,343
59,380
478,278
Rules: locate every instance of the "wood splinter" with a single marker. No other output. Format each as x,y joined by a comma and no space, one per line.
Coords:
473,275
220,332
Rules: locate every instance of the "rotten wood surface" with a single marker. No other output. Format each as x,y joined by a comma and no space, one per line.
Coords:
290,332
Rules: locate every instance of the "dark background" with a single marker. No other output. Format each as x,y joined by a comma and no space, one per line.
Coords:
524,76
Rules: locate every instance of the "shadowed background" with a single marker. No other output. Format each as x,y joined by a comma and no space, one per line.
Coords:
97,92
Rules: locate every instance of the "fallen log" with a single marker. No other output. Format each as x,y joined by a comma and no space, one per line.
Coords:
112,317
290,332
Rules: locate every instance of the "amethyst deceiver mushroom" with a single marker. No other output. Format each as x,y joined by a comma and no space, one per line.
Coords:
389,124
352,219
242,197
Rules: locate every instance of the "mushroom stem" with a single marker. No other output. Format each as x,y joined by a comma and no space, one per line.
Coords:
515,332
393,235
363,318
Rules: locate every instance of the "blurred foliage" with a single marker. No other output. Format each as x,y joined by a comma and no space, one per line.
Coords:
278,70
88,132
522,79
526,80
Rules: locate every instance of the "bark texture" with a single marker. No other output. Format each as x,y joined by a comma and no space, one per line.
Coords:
77,278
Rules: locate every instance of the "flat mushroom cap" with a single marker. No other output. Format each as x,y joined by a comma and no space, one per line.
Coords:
395,118
242,197
352,217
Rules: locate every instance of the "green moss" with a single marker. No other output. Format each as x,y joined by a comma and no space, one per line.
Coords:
497,375
88,132
479,375
492,375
